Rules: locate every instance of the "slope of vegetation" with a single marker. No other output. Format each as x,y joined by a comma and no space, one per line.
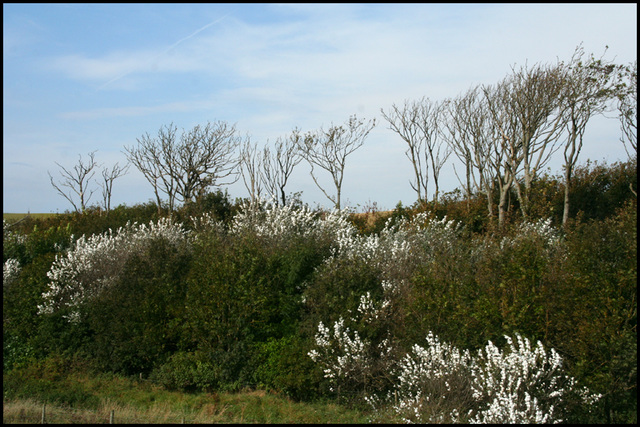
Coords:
328,308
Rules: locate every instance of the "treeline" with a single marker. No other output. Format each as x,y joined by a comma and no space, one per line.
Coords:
503,134
222,295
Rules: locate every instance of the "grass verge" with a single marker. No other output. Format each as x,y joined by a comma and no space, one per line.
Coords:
134,401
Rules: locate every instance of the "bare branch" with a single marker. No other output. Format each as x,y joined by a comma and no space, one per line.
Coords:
328,150
77,180
278,166
108,176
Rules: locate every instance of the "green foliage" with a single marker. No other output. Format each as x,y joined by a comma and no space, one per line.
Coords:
217,203
187,371
50,380
598,190
21,298
235,309
135,322
599,327
283,366
335,290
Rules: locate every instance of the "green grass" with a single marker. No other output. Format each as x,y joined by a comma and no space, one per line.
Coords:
135,401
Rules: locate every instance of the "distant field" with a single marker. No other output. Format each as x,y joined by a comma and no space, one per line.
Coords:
13,217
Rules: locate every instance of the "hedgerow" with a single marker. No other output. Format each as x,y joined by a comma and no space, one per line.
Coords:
427,318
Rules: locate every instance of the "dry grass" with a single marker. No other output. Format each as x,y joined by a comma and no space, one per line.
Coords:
14,217
372,217
246,407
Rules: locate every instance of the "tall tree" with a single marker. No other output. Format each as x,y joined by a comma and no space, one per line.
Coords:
589,86
628,107
328,150
417,124
185,169
278,165
250,161
505,154
205,156
77,180
155,158
108,176
468,133
534,100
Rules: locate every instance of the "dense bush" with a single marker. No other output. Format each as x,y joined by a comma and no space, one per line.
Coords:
219,296
134,323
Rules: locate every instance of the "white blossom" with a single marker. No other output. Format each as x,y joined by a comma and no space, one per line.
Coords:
10,271
93,263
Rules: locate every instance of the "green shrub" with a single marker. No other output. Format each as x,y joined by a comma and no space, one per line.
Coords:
285,367
597,324
50,379
135,322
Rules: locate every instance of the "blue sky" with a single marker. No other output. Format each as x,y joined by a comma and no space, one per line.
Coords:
79,78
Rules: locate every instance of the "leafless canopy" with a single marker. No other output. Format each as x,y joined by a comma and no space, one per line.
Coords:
278,165
628,107
250,161
588,87
108,176
468,131
417,124
77,180
185,169
328,150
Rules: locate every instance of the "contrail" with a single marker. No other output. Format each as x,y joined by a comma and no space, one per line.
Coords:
167,49
194,33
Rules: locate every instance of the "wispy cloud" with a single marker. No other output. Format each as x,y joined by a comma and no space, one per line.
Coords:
136,111
119,64
156,58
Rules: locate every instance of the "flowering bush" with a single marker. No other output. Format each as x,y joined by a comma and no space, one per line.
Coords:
93,264
10,271
521,384
440,383
541,229
432,383
282,223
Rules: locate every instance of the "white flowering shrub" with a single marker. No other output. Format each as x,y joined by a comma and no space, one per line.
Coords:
282,223
541,229
93,263
521,384
430,381
206,222
345,348
11,237
400,246
352,363
10,271
441,384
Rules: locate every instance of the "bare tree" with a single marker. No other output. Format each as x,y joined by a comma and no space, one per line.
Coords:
435,150
250,162
78,181
588,87
628,107
405,122
278,166
205,156
328,150
505,154
534,100
155,158
185,169
469,134
417,124
108,176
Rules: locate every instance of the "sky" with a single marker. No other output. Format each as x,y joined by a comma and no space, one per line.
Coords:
79,78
